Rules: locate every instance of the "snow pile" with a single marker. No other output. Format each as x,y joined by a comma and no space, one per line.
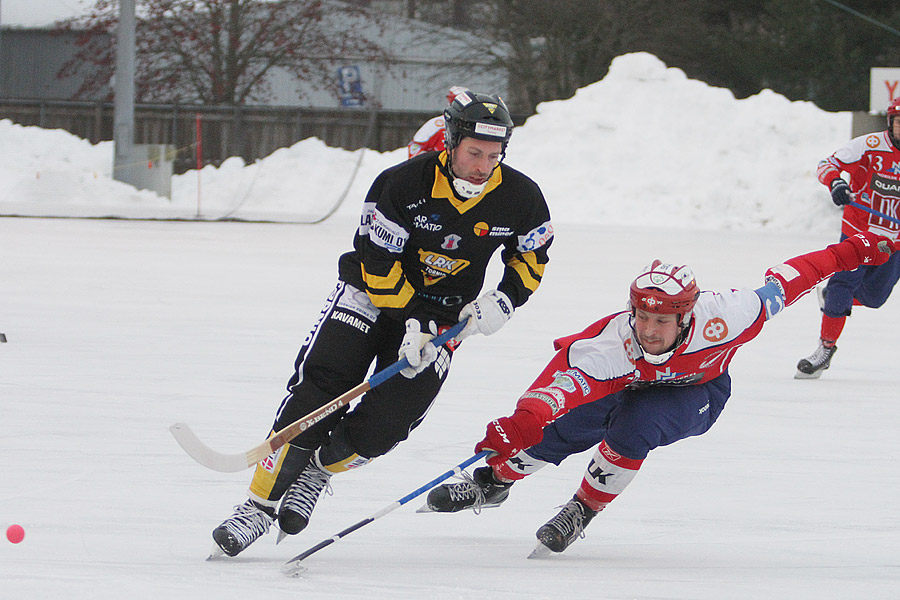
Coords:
646,144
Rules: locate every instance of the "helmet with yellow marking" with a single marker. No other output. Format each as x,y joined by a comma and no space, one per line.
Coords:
480,116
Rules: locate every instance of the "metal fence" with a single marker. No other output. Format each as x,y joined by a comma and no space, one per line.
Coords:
248,132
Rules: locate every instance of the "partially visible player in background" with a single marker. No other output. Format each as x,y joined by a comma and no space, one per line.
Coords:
430,136
873,163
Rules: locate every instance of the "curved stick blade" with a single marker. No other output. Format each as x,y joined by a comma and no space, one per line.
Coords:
206,456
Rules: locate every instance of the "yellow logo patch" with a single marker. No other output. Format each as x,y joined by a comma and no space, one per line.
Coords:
437,266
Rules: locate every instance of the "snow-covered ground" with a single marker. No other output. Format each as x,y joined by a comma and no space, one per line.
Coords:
118,328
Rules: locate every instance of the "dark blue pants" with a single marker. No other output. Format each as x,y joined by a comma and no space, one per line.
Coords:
871,286
635,421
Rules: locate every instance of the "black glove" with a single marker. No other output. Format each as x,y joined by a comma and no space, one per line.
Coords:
840,192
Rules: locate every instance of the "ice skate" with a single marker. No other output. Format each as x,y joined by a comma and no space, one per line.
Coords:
300,500
563,529
476,492
249,521
812,366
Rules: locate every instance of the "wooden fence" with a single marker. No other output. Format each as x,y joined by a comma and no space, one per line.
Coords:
248,132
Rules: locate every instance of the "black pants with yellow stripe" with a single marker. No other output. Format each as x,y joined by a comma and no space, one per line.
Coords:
335,357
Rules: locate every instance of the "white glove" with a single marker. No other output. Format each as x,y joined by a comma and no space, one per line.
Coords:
486,314
416,349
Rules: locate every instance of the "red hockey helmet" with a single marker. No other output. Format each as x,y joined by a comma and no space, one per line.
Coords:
665,288
893,108
455,91
892,111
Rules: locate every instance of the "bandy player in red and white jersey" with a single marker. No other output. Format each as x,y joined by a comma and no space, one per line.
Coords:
637,380
872,162
430,136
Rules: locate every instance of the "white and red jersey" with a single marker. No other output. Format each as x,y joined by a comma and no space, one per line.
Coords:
873,163
429,138
606,358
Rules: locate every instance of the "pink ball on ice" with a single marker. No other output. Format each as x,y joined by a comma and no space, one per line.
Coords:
15,533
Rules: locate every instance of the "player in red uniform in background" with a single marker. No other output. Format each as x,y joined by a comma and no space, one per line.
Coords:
430,136
873,163
637,380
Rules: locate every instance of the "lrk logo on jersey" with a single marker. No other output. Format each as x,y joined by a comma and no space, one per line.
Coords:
437,266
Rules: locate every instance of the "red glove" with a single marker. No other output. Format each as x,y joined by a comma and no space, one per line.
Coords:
796,276
864,248
507,436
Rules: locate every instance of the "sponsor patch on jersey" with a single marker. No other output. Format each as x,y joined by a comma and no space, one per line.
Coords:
423,222
536,238
365,219
350,320
787,272
872,141
436,266
558,394
481,229
545,398
570,380
629,350
415,204
562,381
500,231
715,330
357,301
387,234
677,378
451,242
886,186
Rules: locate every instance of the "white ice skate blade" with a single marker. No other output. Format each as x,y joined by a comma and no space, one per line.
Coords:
802,375
427,509
293,569
281,536
216,553
540,551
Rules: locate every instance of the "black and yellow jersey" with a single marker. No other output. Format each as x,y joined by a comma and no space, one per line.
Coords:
420,251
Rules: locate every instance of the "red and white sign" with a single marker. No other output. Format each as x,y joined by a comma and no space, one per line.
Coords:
884,86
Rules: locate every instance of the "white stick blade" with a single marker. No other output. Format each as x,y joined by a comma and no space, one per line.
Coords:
206,456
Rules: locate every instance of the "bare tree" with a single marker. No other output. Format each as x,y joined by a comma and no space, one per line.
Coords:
221,51
550,49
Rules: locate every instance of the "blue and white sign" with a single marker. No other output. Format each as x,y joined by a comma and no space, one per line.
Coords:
350,89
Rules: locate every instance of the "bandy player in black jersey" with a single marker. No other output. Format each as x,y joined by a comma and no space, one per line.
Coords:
428,230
